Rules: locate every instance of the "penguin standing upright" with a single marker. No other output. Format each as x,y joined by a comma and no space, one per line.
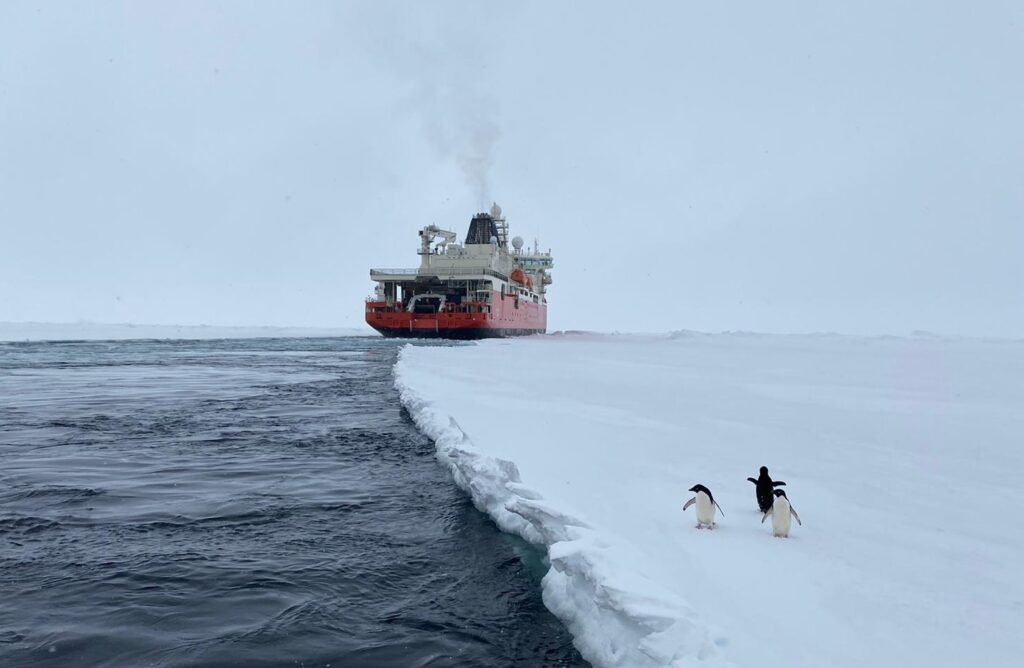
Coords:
781,511
705,506
764,485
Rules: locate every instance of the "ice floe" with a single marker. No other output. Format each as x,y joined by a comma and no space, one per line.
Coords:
903,456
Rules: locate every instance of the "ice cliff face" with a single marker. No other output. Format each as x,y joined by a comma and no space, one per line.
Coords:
612,623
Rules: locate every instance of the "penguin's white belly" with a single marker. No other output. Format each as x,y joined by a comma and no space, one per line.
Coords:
781,517
705,509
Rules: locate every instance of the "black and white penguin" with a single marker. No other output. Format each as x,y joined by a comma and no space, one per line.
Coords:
764,485
705,506
781,511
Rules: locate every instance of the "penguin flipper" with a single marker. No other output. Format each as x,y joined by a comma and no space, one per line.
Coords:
793,510
765,516
689,503
719,508
778,483
753,480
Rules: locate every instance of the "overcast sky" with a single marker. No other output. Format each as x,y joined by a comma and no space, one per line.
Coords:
788,167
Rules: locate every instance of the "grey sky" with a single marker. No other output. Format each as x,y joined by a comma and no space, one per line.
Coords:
856,167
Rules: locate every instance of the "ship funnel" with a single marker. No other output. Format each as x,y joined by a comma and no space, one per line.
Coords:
482,229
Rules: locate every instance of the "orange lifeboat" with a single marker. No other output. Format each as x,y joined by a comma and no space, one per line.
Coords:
519,277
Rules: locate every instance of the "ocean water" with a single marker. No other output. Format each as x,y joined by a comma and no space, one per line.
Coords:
244,503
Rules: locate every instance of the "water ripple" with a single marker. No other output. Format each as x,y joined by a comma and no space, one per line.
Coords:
256,503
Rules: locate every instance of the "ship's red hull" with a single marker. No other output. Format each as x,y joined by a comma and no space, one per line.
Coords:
502,316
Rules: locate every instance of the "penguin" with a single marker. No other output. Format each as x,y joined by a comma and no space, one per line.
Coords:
781,512
705,506
763,487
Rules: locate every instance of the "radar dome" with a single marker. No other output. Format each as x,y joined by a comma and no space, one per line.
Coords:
517,243
495,210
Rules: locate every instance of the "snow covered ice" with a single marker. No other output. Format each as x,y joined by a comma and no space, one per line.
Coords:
903,457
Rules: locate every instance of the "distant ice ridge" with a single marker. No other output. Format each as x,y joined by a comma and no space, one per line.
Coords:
902,456
91,331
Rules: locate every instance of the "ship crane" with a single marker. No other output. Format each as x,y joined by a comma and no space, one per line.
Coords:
431,232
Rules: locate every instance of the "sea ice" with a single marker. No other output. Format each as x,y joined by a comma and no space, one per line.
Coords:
903,456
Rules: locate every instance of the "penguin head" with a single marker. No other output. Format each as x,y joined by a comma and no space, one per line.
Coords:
779,492
764,470
701,488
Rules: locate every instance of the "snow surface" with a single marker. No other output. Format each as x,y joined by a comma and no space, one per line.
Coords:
903,457
89,331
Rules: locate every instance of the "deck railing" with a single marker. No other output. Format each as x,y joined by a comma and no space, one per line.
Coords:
440,272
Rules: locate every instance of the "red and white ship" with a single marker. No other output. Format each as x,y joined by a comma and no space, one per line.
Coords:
481,288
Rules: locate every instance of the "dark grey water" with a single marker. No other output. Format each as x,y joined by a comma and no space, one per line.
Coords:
249,503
